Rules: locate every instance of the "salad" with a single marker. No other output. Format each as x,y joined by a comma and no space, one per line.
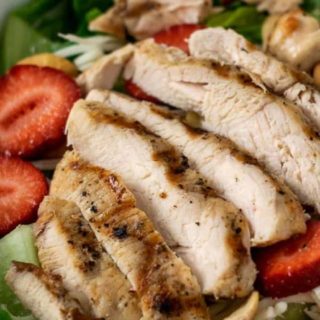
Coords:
67,131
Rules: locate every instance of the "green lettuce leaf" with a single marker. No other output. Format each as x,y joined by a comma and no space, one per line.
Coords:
81,7
244,19
34,27
312,7
17,245
27,41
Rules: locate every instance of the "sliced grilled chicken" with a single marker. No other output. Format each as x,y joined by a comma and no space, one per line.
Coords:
265,126
275,6
67,247
272,210
166,286
144,18
228,47
104,73
42,294
176,198
294,38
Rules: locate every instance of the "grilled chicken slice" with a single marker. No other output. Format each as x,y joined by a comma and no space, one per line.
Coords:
144,18
228,47
68,247
265,126
177,199
164,283
272,210
294,38
42,294
275,6
104,73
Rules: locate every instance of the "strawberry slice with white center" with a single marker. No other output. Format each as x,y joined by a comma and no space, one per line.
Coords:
22,188
34,105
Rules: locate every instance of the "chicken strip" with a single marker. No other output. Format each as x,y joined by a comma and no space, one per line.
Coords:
104,73
68,247
271,208
42,294
144,18
265,126
164,283
228,47
166,189
294,38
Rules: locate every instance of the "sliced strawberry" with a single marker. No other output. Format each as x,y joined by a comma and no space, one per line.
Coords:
34,106
22,188
138,93
291,266
177,36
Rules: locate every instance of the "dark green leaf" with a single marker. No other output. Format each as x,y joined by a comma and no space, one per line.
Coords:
245,19
21,40
312,7
83,30
4,315
120,85
81,7
48,16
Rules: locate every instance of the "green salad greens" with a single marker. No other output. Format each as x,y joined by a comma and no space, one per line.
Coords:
312,7
237,18
17,245
34,27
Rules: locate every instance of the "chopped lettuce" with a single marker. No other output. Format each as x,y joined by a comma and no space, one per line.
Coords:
27,41
17,245
34,27
244,19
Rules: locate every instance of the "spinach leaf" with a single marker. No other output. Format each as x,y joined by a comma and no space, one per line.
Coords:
21,40
312,7
34,27
245,19
81,7
48,16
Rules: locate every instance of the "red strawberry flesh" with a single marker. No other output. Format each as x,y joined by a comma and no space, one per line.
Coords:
136,92
177,36
291,266
34,106
22,188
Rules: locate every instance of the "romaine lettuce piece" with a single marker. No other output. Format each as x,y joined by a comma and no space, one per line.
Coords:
21,40
17,245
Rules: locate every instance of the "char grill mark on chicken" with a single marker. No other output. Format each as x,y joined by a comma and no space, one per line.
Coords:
228,47
43,294
188,214
267,127
270,207
165,285
68,247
